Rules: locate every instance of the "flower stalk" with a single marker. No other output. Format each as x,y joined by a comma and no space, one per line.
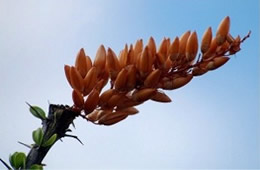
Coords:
138,74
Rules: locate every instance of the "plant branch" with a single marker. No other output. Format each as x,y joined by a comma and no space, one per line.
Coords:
58,121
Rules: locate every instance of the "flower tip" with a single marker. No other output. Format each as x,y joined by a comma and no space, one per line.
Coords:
109,49
227,18
82,49
101,46
223,30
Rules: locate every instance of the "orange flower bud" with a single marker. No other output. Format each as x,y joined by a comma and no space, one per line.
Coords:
76,79
152,46
81,63
210,65
206,40
131,55
113,101
143,95
192,47
120,82
105,96
223,30
77,99
176,82
123,57
174,50
112,118
90,80
127,103
146,61
89,63
163,49
183,43
153,78
126,48
217,62
100,60
91,102
138,48
161,59
167,65
181,81
93,116
96,114
198,71
67,73
100,84
160,96
112,63
131,77
138,61
129,110
212,50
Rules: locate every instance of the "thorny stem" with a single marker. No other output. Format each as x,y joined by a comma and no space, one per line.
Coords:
58,121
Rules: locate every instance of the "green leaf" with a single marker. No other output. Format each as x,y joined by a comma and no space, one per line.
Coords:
36,166
20,159
17,160
50,141
38,136
11,159
37,112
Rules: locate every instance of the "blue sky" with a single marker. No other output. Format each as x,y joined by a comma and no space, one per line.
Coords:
213,122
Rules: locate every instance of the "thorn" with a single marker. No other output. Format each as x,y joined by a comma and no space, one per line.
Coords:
5,164
75,137
26,145
73,125
34,110
68,130
28,104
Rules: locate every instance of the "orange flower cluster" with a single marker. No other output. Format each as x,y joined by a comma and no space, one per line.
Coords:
137,74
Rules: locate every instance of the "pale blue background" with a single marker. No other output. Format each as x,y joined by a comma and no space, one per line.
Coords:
213,122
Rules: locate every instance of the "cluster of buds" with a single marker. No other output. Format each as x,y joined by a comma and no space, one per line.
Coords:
139,72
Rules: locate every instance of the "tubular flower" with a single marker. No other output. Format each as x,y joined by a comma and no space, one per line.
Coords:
141,72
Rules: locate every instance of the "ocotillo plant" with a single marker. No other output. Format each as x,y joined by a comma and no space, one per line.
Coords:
139,73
